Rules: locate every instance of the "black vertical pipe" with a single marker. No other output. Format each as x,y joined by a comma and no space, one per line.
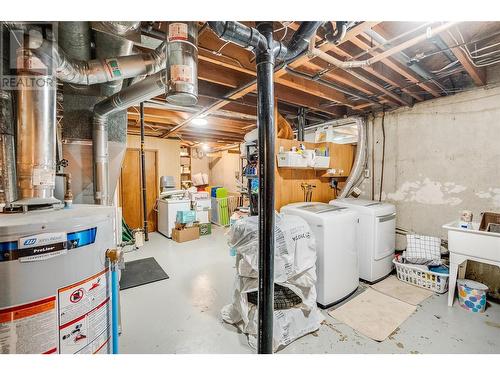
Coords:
143,176
265,114
301,124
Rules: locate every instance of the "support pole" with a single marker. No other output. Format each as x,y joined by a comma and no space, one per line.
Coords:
265,113
143,176
301,124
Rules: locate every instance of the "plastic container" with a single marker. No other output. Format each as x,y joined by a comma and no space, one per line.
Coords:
472,295
322,162
416,275
291,159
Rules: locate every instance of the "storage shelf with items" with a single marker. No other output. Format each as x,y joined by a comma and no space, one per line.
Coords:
315,165
185,165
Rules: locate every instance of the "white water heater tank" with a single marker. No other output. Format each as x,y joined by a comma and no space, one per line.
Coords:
55,285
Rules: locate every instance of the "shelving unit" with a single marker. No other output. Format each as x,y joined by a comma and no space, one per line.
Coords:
185,165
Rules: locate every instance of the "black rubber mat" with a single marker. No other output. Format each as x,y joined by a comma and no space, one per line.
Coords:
141,272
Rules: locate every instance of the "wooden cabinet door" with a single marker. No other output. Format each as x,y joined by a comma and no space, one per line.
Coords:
130,189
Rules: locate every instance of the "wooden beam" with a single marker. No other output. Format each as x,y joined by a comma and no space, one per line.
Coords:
401,69
478,75
386,76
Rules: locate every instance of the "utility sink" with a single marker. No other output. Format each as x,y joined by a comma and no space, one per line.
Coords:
473,242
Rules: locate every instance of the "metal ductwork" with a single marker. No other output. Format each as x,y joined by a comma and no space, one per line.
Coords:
182,63
8,190
357,172
36,131
112,39
74,38
113,69
141,91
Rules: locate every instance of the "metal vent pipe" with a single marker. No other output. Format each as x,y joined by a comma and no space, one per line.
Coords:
96,71
8,190
113,42
182,61
141,91
36,131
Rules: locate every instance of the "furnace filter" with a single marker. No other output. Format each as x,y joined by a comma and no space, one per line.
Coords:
55,285
182,63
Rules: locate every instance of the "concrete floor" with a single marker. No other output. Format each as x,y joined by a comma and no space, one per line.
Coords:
181,314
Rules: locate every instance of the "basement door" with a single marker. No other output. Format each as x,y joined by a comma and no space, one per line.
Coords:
130,188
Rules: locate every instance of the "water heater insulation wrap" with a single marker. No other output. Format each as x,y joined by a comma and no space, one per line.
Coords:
55,295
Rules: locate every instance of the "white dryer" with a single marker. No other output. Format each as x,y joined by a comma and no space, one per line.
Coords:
334,229
376,236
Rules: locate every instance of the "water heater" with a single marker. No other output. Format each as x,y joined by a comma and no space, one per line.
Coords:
55,294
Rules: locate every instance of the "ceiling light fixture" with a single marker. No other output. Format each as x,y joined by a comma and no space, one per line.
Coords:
199,121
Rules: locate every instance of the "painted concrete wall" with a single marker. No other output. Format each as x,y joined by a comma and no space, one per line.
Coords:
223,169
442,156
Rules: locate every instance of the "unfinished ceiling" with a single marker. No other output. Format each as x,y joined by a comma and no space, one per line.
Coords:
413,62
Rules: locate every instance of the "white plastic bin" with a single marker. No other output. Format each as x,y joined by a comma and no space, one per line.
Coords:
291,159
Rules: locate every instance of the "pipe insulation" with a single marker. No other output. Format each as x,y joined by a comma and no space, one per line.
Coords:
96,71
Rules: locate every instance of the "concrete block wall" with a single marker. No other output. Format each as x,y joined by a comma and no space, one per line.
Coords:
442,156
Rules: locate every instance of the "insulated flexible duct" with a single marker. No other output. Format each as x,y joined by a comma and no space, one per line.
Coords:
357,171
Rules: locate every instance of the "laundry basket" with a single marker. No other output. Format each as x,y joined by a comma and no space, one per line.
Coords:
411,274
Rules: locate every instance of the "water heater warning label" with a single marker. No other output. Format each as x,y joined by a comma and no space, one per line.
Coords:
85,316
29,328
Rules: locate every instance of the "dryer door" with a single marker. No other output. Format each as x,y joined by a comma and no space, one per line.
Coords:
385,236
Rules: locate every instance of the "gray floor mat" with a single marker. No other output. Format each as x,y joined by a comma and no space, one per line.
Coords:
141,272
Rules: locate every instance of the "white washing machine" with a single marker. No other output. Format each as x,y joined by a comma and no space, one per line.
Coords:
334,229
376,236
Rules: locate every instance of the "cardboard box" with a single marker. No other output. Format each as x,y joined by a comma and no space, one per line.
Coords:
205,229
186,234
